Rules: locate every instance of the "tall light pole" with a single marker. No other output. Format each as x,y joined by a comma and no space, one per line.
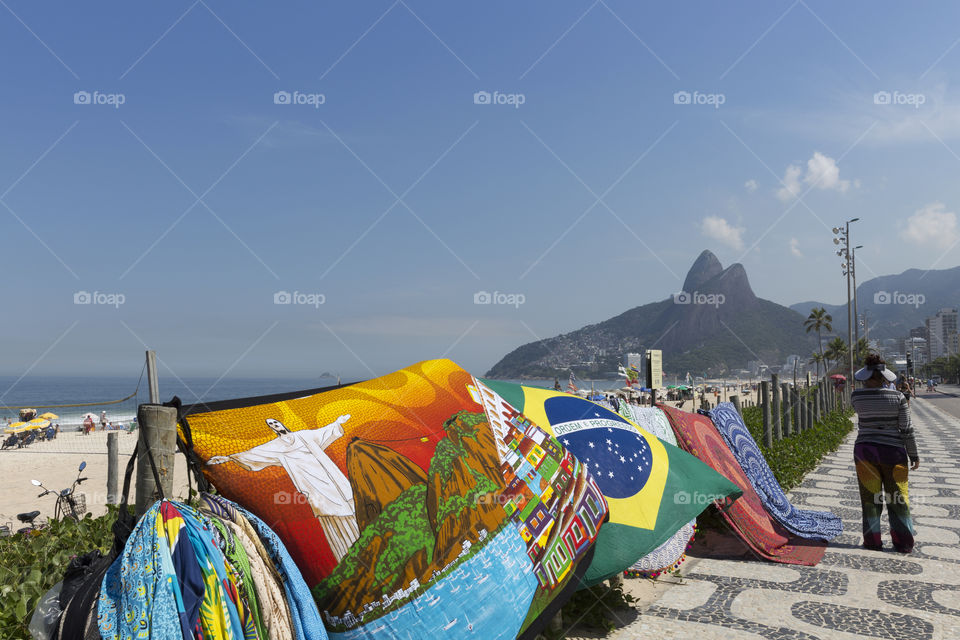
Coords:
844,239
853,274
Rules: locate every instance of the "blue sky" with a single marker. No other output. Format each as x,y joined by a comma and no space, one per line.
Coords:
398,198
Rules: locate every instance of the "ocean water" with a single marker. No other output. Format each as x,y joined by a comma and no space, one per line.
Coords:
41,391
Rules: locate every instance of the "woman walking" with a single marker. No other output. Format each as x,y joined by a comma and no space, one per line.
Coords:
885,442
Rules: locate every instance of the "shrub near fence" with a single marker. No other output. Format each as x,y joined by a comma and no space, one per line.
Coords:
30,564
791,458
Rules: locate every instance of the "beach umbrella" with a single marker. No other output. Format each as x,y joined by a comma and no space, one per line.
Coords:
49,416
37,423
16,427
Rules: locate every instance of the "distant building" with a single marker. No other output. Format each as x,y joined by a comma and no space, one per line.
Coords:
916,348
633,360
940,331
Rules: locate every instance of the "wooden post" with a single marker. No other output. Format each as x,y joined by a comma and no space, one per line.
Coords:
653,403
735,399
801,413
787,409
816,404
765,397
113,467
158,434
153,384
809,420
776,407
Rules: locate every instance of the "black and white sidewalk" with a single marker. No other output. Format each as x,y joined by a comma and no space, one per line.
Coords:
853,593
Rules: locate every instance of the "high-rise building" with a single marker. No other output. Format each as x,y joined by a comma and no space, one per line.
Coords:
940,331
916,348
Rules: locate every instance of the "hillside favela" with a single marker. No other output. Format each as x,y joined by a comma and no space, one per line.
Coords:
503,321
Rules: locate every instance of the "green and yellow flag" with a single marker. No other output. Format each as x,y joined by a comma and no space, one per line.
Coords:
653,488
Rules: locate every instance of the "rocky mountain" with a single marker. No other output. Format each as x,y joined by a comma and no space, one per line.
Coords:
895,304
412,523
714,325
378,475
464,471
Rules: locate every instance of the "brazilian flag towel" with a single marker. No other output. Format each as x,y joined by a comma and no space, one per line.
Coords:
653,488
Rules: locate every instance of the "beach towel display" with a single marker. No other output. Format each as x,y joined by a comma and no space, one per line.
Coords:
418,504
186,574
818,525
653,488
746,517
667,557
671,554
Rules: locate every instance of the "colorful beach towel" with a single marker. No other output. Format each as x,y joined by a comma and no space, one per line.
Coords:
746,517
652,487
671,553
409,499
816,525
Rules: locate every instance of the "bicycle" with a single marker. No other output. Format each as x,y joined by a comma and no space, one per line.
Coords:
70,504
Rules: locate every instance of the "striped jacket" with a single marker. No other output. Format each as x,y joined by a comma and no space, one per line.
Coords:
883,417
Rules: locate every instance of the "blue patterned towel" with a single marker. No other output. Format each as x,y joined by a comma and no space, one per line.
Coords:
817,525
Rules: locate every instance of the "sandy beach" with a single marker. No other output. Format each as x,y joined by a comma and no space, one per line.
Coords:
55,464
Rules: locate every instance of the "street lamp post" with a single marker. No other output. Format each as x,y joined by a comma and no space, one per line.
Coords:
844,239
853,274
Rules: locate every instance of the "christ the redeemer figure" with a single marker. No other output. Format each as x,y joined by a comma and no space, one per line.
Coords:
313,473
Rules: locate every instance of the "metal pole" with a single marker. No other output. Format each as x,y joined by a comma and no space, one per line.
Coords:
846,255
856,313
152,383
113,467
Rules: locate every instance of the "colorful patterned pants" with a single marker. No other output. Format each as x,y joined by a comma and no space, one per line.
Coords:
882,475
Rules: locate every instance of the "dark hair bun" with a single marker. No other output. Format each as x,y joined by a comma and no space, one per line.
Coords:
872,360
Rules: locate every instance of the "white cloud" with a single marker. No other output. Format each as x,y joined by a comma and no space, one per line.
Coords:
822,173
791,183
795,247
750,186
719,229
933,226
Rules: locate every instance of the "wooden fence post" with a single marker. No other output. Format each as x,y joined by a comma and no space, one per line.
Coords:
765,401
113,467
735,399
787,409
775,407
158,434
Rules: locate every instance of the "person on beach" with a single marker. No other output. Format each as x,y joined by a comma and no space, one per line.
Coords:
103,420
885,441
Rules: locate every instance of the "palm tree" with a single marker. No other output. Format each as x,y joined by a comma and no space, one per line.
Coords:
817,358
836,350
861,349
819,320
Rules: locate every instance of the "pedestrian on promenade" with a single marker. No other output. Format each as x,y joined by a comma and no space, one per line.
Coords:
905,389
885,441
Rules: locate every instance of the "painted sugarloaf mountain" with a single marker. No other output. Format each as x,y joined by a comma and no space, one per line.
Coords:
715,325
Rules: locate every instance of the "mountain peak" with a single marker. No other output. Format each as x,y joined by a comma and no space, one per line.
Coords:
705,267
